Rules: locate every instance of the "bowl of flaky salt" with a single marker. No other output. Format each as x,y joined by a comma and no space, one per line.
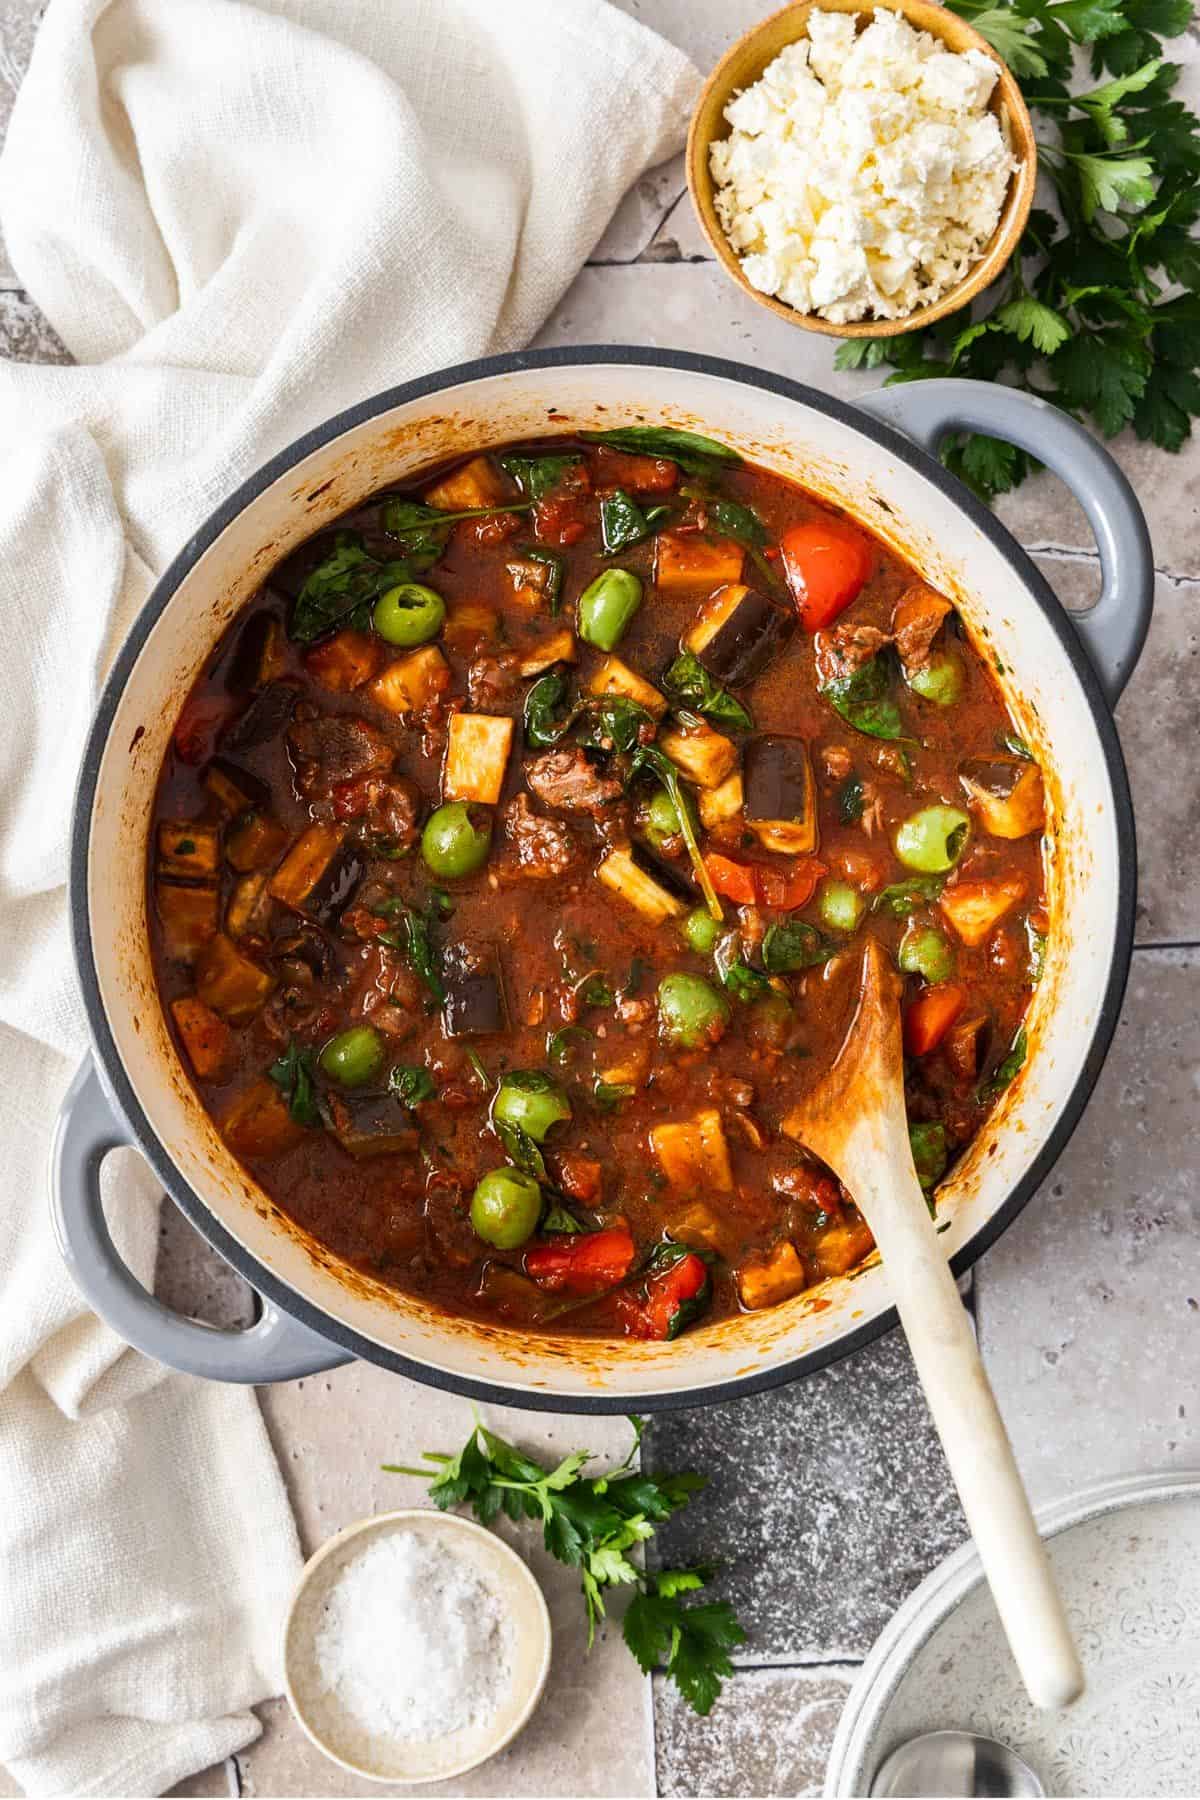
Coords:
416,1647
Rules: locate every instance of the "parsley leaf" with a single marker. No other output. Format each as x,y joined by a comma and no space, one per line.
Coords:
593,1523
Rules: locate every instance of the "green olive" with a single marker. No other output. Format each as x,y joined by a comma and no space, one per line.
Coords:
662,817
505,1208
924,951
933,839
690,1010
607,606
531,1101
408,614
700,931
840,905
456,839
353,1056
939,680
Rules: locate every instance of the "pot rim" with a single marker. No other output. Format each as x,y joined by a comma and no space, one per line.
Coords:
194,1208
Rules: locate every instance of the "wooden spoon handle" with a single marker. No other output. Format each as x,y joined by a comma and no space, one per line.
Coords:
975,1441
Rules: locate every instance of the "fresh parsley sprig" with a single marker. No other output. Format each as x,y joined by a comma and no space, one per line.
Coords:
1100,308
592,1523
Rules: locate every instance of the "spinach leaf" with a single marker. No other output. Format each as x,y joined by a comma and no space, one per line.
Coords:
520,1148
557,566
557,1218
1004,1073
414,939
690,449
546,717
744,982
559,1043
862,700
850,800
907,896
293,1076
423,530
342,589
649,757
929,1152
688,680
623,523
537,476
612,722
411,1084
1016,746
794,945
741,523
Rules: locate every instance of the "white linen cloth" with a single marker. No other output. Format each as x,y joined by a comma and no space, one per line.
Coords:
239,217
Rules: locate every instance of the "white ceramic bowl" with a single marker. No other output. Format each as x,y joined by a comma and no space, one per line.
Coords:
385,1758
318,1311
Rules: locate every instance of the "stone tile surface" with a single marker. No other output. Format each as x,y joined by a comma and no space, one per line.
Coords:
829,1501
331,1433
1089,1306
218,1783
770,1733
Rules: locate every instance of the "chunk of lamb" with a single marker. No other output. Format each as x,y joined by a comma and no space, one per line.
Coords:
493,682
329,751
567,780
845,648
539,848
382,807
916,621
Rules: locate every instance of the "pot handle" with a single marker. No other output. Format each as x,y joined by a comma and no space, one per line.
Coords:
1114,629
275,1348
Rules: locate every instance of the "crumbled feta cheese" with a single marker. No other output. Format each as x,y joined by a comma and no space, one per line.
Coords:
863,174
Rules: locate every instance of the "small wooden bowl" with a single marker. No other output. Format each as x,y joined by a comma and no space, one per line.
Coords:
741,67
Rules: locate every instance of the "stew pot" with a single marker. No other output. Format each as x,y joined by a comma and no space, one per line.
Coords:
1061,674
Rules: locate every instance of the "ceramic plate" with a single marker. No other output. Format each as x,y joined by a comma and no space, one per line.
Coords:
1127,1559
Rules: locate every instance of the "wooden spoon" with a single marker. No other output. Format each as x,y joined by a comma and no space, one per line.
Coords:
855,1121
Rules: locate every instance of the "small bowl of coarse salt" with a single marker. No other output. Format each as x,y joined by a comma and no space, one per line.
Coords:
862,170
417,1646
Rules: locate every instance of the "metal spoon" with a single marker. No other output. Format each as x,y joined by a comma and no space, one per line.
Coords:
955,1765
854,1120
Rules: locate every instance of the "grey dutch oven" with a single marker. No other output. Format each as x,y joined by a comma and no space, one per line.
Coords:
877,459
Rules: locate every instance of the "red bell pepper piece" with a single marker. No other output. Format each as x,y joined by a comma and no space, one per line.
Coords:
733,879
930,1017
665,1306
785,892
584,1264
827,565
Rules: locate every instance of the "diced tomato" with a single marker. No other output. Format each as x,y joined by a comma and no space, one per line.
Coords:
557,520
197,726
827,565
584,1264
931,1015
733,879
659,1312
860,867
579,1176
639,474
785,892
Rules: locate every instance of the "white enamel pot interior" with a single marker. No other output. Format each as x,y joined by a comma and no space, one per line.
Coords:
838,452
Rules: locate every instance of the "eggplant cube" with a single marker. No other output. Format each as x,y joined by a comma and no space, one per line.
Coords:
477,483
718,805
780,795
259,655
544,655
689,564
622,876
187,851
305,864
477,754
249,905
768,1278
412,681
736,632
264,719
372,1125
188,916
705,756
231,983
693,1155
259,1123
235,790
474,1005
615,677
